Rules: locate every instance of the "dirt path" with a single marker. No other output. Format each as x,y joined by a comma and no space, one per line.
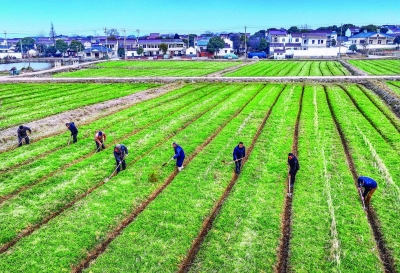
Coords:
222,72
55,124
283,258
385,257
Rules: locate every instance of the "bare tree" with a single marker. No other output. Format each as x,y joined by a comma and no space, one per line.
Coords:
52,33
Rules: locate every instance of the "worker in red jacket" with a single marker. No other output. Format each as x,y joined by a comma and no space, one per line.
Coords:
99,139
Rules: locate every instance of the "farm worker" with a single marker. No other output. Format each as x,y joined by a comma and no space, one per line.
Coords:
120,151
22,134
13,69
74,131
294,167
369,186
179,156
238,154
99,138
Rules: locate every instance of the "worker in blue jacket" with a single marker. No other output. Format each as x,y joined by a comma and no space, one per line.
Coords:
120,152
238,154
22,133
74,131
294,166
179,156
369,186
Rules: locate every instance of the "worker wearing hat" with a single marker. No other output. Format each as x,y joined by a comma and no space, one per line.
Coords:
179,156
120,152
293,167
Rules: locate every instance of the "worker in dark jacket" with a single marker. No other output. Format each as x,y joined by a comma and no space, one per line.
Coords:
99,139
179,156
294,167
74,131
120,152
369,186
22,134
238,154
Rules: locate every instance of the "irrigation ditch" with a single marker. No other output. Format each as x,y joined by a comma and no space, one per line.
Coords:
385,256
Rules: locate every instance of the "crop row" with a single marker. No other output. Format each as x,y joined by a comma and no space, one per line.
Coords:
330,232
150,69
395,86
378,67
68,99
129,117
376,158
107,205
52,194
291,68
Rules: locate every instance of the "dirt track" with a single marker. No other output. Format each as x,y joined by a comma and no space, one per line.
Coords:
56,124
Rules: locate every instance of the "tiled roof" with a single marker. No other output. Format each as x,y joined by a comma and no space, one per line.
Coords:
369,34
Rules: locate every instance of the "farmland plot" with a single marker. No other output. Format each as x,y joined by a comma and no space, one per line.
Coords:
60,212
378,67
395,86
290,68
150,69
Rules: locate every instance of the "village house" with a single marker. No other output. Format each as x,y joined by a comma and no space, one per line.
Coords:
371,38
351,31
97,52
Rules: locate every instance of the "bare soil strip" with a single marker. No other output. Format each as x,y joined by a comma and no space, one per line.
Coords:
386,94
99,249
222,72
30,229
352,69
55,124
207,224
283,257
385,256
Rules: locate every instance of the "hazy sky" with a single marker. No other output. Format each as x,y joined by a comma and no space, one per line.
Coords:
23,17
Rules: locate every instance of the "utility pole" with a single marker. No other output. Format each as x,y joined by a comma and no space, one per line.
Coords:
245,43
105,32
137,37
124,43
341,39
5,40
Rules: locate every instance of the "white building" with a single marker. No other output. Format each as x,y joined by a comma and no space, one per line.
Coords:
371,38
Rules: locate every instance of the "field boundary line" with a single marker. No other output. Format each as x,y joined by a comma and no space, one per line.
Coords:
100,248
229,69
384,254
30,229
89,154
286,224
207,224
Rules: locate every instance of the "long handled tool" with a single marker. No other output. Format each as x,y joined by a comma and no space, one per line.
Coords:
289,193
69,140
113,172
19,143
362,199
231,161
166,163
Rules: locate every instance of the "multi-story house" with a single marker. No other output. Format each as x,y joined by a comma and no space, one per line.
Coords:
371,38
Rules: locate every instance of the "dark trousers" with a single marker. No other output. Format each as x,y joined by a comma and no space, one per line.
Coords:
20,140
368,192
74,138
98,146
292,178
238,164
123,164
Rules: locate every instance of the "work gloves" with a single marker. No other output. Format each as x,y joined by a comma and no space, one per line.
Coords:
172,158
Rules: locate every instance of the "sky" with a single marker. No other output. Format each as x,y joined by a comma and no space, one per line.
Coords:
30,18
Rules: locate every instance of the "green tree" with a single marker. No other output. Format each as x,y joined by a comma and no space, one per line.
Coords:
333,42
353,47
176,36
164,48
215,44
76,46
293,29
397,41
139,51
27,44
121,52
61,46
191,39
41,48
369,28
262,46
384,29
51,50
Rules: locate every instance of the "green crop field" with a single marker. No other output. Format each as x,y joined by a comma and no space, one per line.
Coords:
150,69
21,103
395,86
290,68
60,213
378,67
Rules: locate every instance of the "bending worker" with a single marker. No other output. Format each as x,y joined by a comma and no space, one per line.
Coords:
120,152
179,156
238,154
22,134
99,138
369,186
294,167
74,131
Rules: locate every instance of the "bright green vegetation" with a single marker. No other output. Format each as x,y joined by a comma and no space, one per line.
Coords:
290,68
329,231
150,69
395,86
66,196
35,101
378,67
245,235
